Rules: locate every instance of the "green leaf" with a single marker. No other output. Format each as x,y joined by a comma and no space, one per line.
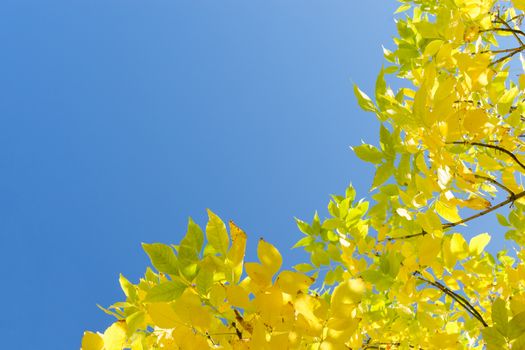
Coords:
303,242
499,316
387,142
350,193
332,224
383,173
502,220
216,233
364,101
165,292
368,153
189,250
381,90
493,338
162,257
303,267
128,288
519,343
517,325
316,224
319,257
303,226
135,320
377,279
205,275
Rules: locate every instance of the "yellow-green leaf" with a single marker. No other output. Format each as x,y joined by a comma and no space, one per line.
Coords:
363,100
165,291
216,233
478,243
162,257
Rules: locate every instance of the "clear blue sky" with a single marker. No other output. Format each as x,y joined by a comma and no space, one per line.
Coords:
121,118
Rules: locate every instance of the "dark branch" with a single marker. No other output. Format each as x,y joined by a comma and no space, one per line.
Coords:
514,32
458,298
422,233
511,30
495,182
511,53
509,200
498,148
382,346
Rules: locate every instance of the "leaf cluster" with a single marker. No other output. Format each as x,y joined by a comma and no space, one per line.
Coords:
400,270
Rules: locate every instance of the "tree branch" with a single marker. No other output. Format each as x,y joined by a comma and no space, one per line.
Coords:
514,32
511,30
511,53
383,346
499,148
422,233
511,199
458,298
486,211
495,182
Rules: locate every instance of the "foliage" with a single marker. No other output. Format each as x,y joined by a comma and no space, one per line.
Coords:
395,272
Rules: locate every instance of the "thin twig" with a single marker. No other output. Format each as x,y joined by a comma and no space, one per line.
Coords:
513,31
498,148
495,182
379,346
422,233
509,200
504,50
458,298
512,53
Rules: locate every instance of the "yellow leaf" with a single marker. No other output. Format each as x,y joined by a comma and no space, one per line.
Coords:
292,282
458,246
258,274
521,81
476,203
269,256
346,296
115,336
447,211
519,4
92,341
429,248
216,233
191,311
237,296
309,321
432,48
162,315
429,221
478,243
474,121
236,253
268,305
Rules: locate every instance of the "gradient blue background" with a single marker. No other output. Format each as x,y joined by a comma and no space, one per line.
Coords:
121,118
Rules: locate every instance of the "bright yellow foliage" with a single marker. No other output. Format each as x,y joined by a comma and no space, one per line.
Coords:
401,271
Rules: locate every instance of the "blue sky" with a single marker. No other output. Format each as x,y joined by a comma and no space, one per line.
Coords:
120,119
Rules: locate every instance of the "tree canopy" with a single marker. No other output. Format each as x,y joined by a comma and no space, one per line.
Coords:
394,271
